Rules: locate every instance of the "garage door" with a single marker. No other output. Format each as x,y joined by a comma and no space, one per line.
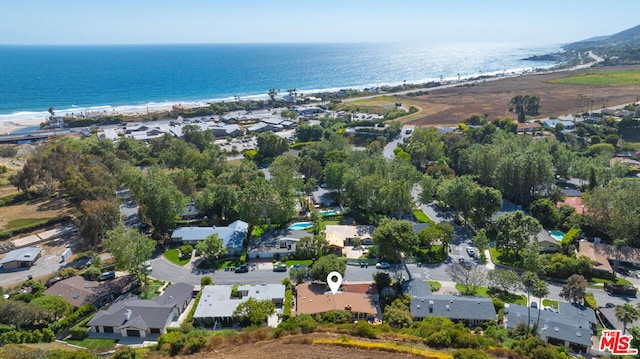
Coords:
133,333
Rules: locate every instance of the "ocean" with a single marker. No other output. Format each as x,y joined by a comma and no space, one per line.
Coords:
137,77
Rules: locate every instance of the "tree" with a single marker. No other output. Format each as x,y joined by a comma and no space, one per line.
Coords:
626,313
545,212
532,260
125,352
481,240
129,248
524,105
260,202
271,145
515,230
56,306
397,315
485,202
160,200
428,187
395,237
254,311
575,289
206,280
325,265
506,280
470,276
312,247
212,247
529,279
457,194
218,200
540,290
97,217
20,314
298,274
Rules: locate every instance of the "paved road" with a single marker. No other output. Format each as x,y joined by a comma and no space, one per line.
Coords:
388,149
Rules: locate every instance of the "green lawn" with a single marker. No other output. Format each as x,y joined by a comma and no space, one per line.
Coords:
95,344
173,255
150,290
619,280
435,255
506,297
509,259
421,217
602,78
435,285
26,222
304,262
550,303
332,222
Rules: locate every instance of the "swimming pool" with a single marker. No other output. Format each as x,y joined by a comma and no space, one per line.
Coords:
300,226
557,235
328,213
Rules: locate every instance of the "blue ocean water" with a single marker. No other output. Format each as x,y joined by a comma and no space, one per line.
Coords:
78,78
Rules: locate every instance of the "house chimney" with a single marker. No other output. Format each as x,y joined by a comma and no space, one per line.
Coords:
127,315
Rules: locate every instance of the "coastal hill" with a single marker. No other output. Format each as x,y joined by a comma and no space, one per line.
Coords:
622,48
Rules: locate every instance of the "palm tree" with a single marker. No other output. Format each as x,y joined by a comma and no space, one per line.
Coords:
626,313
540,290
529,279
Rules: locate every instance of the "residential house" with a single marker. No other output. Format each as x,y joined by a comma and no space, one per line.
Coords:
605,255
226,130
134,317
340,236
572,325
360,299
575,202
548,244
610,321
264,127
552,123
529,127
306,111
216,306
78,291
20,258
468,310
282,242
232,236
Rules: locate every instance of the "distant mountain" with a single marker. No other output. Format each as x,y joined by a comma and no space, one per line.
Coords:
620,48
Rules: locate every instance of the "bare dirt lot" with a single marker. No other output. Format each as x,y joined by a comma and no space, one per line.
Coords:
450,106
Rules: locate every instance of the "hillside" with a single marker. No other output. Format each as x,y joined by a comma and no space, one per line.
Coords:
618,49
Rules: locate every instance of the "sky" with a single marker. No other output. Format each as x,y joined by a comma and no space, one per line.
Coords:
541,22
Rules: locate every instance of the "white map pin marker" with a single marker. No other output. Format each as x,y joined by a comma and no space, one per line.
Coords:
334,285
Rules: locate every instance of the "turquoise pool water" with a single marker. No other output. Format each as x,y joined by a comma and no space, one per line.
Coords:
328,213
558,235
300,226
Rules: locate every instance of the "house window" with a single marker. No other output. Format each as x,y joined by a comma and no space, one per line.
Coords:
155,330
108,329
133,333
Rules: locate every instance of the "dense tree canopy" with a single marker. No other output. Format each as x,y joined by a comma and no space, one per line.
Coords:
395,237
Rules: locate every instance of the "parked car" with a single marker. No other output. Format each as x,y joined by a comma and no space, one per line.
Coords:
242,269
463,262
280,268
107,275
383,265
534,305
471,252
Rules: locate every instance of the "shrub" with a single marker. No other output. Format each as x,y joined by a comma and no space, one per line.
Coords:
590,301
186,250
439,339
79,332
72,318
498,304
469,354
189,317
206,280
365,329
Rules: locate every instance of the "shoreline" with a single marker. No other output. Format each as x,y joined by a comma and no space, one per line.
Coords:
10,123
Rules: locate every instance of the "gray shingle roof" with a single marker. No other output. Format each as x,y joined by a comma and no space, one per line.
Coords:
453,307
416,288
26,254
232,236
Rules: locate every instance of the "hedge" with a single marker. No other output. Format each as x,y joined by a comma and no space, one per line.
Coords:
288,301
80,330
189,317
45,335
72,318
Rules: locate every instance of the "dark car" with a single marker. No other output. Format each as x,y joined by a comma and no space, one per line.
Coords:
280,268
242,269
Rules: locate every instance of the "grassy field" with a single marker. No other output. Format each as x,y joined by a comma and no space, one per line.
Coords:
619,280
435,285
550,303
602,78
24,222
421,217
304,262
94,344
173,255
382,105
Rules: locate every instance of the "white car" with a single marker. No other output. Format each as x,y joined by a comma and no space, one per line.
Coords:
471,252
383,265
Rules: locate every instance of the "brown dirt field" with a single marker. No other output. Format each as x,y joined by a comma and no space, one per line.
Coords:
450,106
45,209
287,346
